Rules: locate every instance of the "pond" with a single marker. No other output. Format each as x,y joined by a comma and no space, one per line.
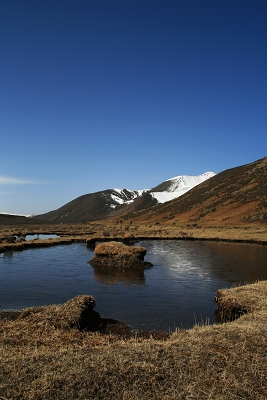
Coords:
177,292
37,236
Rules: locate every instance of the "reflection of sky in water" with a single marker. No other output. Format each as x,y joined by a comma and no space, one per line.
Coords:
176,291
231,262
41,236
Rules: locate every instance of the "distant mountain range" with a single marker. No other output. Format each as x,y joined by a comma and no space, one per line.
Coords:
115,202
234,196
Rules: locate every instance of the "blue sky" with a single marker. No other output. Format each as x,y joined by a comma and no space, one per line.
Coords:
97,94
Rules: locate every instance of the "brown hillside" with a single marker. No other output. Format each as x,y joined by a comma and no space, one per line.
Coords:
85,208
234,196
6,219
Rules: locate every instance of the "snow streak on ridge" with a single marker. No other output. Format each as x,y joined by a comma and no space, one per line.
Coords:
179,185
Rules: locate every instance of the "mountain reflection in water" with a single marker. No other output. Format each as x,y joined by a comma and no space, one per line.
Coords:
176,292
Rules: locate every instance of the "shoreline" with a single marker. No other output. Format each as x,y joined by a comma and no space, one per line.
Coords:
99,231
44,353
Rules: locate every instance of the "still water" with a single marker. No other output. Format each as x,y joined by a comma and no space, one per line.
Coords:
177,291
37,236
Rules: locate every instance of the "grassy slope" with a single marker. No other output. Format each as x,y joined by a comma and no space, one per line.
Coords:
234,196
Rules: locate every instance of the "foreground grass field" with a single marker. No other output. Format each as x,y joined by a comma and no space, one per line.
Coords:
45,354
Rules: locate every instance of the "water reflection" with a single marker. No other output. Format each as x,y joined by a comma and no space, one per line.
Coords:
128,277
7,254
176,292
41,236
231,262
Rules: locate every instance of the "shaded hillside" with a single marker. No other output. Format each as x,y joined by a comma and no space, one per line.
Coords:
95,206
7,219
82,209
237,195
89,207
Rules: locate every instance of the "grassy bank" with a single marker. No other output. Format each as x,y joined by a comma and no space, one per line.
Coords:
109,230
45,355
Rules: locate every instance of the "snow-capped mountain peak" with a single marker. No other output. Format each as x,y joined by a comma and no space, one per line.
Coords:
114,202
177,186
168,190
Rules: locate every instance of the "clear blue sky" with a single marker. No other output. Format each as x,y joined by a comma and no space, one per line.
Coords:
126,93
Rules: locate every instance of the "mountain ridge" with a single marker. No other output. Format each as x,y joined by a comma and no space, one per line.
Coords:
114,202
236,195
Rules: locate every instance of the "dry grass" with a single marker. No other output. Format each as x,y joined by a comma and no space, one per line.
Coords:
45,356
117,255
233,303
252,233
116,248
62,316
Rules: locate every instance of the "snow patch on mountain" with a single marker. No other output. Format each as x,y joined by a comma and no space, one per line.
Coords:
171,189
179,185
168,190
122,196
